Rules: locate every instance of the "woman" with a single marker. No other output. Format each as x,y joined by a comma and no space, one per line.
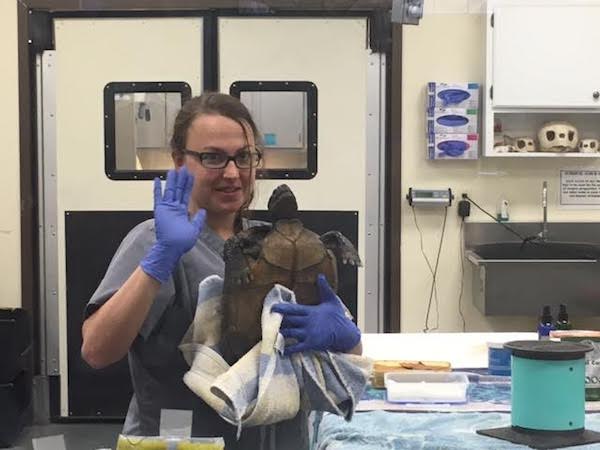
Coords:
147,299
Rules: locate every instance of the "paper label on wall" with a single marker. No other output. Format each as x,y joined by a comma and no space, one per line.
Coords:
580,189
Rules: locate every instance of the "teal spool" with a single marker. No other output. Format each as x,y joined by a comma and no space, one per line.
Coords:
548,395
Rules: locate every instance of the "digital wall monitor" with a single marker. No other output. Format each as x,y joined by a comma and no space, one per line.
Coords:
429,197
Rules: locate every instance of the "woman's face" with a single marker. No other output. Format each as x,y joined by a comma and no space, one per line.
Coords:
219,191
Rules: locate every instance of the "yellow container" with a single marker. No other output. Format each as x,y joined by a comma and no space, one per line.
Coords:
195,445
161,443
141,443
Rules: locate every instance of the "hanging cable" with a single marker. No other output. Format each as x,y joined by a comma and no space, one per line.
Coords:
424,254
462,274
524,239
434,282
433,270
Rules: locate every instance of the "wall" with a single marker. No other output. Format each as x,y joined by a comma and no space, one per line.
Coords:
10,224
449,45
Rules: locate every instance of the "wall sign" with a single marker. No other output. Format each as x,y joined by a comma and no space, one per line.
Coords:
580,188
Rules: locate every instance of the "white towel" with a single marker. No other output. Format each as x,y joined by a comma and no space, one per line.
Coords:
264,386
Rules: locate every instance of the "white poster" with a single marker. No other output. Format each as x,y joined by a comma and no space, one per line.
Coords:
580,189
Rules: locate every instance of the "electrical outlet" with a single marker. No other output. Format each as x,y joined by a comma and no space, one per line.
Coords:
464,207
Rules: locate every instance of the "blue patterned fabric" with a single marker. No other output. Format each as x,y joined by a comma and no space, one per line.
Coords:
381,430
264,386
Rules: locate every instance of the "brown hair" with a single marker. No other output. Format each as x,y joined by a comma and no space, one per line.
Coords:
220,104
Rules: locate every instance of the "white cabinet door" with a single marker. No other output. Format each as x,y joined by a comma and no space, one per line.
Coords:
546,56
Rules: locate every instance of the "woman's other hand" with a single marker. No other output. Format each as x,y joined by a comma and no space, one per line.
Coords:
319,327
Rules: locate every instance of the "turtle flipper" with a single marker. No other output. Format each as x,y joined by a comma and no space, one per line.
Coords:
251,240
237,248
341,247
236,266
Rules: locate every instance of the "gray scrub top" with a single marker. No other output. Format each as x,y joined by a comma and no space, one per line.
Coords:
156,364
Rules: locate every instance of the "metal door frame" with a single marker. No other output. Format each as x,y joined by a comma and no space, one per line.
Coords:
378,283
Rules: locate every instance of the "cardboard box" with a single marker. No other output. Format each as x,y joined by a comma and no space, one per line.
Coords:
452,146
453,95
592,359
381,367
452,121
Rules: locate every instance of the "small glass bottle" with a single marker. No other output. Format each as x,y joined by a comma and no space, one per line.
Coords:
545,326
502,210
562,321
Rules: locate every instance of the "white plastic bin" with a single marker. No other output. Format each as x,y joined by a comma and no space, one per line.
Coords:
426,387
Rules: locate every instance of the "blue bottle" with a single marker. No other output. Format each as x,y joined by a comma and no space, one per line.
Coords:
545,326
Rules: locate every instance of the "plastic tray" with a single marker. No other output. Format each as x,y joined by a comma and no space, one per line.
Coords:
426,387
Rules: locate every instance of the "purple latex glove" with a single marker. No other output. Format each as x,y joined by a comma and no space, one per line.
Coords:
175,232
319,327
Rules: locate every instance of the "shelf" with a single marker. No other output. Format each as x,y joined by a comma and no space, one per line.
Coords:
542,155
519,101
527,125
566,110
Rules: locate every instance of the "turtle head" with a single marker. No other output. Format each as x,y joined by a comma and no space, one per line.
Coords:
282,204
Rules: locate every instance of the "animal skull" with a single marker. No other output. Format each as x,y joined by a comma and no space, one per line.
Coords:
588,146
524,144
504,148
558,137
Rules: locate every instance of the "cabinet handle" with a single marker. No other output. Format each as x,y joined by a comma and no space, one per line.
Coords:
596,95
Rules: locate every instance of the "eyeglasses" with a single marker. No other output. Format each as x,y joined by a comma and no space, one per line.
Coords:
243,159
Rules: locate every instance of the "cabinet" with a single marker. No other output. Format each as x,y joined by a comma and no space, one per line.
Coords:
540,67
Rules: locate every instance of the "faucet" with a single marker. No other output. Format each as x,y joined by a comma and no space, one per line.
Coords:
543,235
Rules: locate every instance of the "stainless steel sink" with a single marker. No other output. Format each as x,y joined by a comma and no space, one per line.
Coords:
535,250
513,280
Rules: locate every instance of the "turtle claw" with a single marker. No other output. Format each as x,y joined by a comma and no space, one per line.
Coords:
350,256
242,277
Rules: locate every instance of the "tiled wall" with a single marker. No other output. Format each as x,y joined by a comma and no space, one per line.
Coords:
454,6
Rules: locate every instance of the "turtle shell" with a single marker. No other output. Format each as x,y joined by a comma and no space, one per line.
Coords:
290,255
293,256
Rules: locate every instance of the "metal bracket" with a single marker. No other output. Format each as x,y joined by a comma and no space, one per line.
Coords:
41,36
49,323
407,12
380,31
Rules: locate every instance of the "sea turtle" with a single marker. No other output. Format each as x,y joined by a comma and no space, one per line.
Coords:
286,253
